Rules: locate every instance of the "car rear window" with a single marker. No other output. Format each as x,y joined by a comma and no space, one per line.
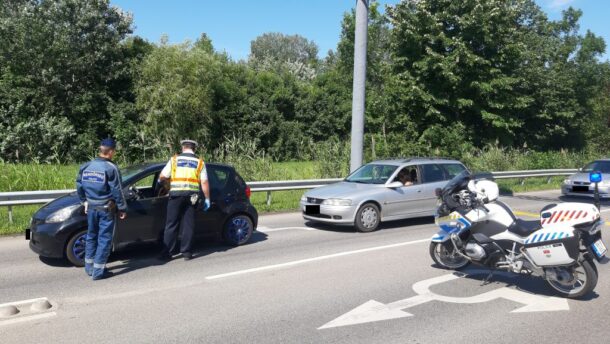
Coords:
453,170
218,177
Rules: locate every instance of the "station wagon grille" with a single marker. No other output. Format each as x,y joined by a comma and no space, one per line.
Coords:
582,183
314,200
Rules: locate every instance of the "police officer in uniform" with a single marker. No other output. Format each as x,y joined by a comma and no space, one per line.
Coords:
99,188
187,174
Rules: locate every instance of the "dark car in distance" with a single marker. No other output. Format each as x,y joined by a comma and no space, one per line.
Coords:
59,228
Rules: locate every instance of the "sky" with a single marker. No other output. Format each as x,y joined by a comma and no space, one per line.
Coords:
233,24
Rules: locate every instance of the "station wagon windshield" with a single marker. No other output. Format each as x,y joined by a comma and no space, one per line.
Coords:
372,174
601,166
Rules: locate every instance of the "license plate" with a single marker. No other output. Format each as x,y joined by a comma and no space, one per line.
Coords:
599,248
312,210
580,189
27,234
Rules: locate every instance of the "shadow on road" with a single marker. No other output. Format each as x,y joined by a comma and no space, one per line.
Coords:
523,282
143,257
384,225
140,256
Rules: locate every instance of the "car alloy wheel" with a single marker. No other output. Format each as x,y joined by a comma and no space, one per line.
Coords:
238,230
75,248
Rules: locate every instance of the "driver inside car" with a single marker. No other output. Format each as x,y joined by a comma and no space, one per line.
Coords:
407,176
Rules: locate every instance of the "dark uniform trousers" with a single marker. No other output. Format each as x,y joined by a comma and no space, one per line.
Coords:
180,217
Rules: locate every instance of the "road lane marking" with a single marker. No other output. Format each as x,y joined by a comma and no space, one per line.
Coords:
315,259
526,213
264,229
372,311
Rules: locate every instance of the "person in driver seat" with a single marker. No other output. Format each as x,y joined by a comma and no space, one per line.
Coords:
404,176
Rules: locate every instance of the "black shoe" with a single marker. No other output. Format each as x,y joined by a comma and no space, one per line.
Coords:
165,257
187,256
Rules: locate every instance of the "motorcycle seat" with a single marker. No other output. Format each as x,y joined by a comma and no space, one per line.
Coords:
524,228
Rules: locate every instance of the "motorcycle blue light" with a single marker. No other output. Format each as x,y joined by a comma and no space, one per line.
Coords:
595,177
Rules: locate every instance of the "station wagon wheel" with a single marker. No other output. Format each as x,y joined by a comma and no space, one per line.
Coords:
75,249
367,218
238,230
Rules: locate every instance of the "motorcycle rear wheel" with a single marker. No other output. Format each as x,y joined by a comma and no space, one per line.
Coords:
447,258
585,275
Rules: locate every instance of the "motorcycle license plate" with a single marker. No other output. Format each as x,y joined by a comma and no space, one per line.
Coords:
599,248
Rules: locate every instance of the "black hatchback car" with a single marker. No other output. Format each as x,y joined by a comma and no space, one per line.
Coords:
59,228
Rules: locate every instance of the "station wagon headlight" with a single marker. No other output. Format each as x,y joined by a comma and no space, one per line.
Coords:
337,201
303,198
62,214
567,181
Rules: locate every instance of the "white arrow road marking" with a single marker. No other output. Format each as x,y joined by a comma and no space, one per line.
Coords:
376,311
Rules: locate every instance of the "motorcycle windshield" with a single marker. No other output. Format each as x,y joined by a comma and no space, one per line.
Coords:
458,182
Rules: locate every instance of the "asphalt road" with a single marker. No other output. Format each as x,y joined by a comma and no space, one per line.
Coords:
293,284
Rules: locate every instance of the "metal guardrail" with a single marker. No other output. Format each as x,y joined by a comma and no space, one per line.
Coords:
10,199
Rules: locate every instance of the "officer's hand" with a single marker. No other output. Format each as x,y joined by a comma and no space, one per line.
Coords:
122,215
206,205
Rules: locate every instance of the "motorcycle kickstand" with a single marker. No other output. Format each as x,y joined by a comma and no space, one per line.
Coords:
487,279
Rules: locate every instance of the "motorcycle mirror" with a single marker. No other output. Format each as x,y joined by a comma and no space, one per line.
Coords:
595,177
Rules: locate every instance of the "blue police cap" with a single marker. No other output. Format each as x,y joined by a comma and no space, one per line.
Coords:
108,142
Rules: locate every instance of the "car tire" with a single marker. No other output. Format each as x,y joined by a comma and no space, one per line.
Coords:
368,218
75,248
237,230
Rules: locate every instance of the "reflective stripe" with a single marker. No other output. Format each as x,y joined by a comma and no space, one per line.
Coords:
190,180
88,261
99,266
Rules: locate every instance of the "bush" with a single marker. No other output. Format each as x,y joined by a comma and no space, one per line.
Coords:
252,163
332,158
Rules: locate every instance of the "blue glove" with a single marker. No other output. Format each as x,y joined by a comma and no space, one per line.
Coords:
206,205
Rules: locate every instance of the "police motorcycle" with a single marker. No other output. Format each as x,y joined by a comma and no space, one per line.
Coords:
476,227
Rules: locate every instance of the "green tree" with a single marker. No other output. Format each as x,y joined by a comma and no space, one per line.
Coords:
58,61
277,52
175,93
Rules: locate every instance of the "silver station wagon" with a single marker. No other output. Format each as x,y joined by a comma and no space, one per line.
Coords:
382,190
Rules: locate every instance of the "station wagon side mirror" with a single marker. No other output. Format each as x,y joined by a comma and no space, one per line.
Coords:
395,185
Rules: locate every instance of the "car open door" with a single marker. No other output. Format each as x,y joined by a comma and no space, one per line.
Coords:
146,212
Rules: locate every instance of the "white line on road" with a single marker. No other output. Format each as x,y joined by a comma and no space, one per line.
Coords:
315,259
267,229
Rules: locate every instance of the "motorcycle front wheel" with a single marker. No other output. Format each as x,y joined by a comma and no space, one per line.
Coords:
583,280
447,258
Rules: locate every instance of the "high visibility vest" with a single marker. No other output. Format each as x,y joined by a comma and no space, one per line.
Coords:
185,173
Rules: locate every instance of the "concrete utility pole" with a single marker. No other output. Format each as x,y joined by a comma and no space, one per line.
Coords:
358,95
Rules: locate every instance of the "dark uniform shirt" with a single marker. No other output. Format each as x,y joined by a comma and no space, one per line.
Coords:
98,182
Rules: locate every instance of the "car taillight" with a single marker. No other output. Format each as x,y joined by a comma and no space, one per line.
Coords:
248,191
